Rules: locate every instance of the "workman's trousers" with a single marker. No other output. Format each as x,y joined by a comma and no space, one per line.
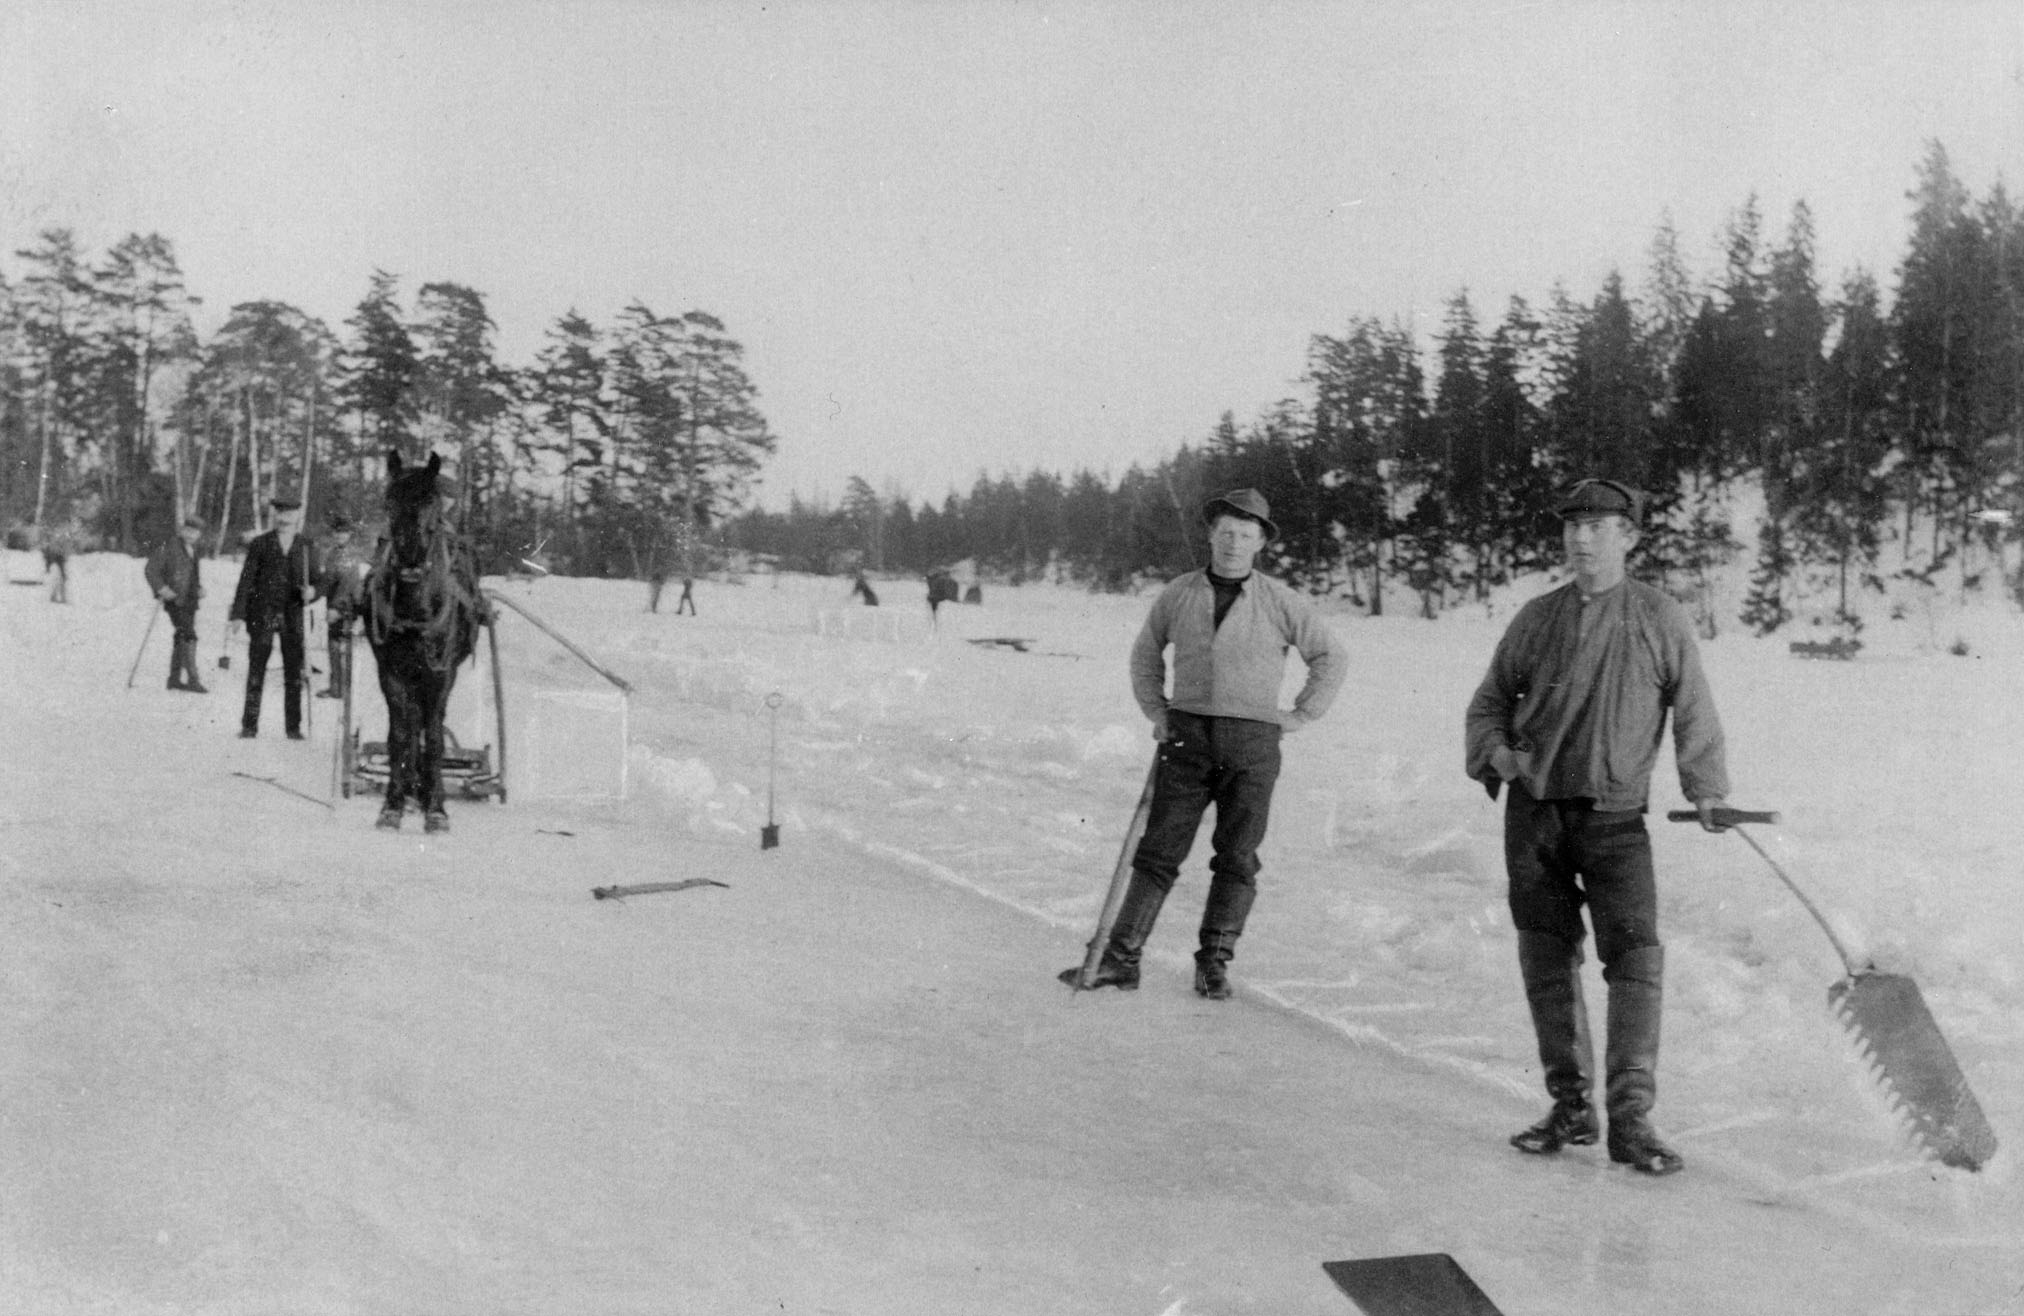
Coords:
259,644
183,652
340,659
1561,855
1231,764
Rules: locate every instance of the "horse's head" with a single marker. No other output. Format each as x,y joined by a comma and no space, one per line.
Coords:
414,504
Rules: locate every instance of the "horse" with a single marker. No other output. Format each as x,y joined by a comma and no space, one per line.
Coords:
422,613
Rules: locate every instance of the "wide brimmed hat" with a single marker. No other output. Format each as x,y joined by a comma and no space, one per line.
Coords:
1599,497
285,504
1248,503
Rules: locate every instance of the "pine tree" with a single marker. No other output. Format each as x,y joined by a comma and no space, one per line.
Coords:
1764,609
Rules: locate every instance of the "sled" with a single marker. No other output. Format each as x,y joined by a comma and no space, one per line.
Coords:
1839,648
1896,1034
471,773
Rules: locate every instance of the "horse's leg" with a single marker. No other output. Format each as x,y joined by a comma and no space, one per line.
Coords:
400,740
436,818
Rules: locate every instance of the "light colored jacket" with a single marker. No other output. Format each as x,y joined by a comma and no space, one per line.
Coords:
1582,702
1236,669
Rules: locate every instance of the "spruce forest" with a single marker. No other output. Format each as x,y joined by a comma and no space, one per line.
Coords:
1872,430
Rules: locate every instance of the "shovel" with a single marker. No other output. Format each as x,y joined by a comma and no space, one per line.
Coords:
769,835
1896,1033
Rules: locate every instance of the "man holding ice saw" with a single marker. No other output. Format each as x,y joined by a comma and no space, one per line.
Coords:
1218,733
1570,715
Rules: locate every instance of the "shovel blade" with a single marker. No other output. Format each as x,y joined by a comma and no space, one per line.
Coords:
1426,1284
769,836
1917,1070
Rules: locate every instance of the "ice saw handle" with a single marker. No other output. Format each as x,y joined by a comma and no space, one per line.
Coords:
1727,817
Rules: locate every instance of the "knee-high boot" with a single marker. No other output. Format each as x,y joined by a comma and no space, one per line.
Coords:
1551,968
1223,916
1119,966
1631,1060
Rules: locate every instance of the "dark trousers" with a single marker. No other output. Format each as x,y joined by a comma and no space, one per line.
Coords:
259,644
1561,855
340,659
183,653
1230,763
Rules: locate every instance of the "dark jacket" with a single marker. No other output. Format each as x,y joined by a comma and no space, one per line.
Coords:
1583,707
270,583
171,566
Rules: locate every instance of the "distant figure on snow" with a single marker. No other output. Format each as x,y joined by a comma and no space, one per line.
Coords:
974,595
861,588
942,589
1570,715
56,545
1218,733
276,581
687,603
173,578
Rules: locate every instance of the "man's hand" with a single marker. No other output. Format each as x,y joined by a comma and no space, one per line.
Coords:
1504,763
1160,726
165,594
1707,809
1292,721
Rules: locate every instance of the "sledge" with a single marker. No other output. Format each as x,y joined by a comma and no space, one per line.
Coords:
469,772
1895,1033
1839,648
1016,643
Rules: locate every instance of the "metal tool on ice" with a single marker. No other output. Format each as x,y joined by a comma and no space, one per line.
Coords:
1898,1037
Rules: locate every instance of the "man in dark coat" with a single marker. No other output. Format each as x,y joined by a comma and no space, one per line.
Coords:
174,579
278,579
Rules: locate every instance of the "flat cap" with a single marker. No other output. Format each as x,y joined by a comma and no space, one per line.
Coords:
1597,497
1247,503
285,504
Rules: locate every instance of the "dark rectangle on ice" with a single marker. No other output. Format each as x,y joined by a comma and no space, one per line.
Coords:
1425,1284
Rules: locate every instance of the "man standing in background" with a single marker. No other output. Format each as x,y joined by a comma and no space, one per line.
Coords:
174,579
1571,714
277,580
343,587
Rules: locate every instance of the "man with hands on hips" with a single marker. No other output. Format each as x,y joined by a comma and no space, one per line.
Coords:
1218,731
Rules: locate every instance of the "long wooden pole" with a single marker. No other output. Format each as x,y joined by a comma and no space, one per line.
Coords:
562,640
1120,881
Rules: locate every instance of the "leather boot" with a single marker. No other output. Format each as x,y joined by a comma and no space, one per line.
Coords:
1223,918
1119,966
1551,968
1631,1058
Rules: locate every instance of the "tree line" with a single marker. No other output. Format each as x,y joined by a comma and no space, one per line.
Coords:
1402,469
615,451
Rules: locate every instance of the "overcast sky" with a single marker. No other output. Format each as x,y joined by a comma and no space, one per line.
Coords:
969,236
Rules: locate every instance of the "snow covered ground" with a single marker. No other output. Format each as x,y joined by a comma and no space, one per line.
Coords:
138,866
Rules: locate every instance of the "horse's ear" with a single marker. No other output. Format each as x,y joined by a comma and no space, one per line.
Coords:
393,463
435,464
